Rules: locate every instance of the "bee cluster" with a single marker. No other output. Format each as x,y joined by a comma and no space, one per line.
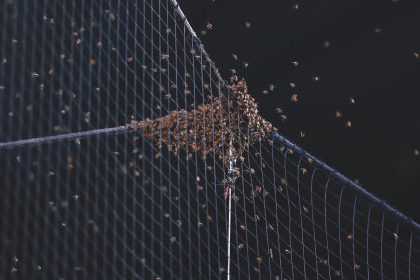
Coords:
226,126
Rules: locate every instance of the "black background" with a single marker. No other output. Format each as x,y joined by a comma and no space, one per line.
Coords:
370,57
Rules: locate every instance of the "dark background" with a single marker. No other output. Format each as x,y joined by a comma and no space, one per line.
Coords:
365,50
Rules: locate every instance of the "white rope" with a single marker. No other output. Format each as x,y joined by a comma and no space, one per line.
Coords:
61,137
230,185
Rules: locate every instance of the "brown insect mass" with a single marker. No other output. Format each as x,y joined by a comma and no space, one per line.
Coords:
231,122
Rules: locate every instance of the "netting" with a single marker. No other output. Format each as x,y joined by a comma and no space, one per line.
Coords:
85,194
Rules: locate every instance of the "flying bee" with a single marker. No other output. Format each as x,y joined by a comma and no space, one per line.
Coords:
164,57
279,110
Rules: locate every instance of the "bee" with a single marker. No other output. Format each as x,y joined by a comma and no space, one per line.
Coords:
209,26
279,110
323,261
259,260
86,117
294,98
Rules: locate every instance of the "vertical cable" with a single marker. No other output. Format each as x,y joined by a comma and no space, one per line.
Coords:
230,183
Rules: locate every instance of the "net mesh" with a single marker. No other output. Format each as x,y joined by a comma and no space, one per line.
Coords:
85,196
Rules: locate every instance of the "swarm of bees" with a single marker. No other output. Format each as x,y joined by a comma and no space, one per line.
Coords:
226,126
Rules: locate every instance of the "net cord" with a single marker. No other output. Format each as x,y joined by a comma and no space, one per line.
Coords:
230,186
340,177
61,137
199,43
